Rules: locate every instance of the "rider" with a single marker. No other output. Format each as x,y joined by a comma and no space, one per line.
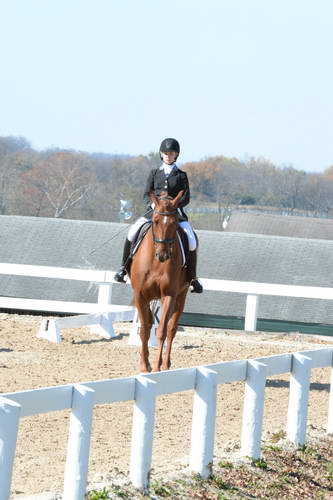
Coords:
167,178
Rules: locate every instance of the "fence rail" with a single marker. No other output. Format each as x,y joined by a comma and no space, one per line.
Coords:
143,390
104,280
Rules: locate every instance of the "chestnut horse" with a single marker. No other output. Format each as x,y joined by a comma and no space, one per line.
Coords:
157,272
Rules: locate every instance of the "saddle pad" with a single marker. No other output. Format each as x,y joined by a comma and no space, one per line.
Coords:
181,244
141,234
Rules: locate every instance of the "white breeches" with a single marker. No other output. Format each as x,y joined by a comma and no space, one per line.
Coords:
135,228
187,228
185,225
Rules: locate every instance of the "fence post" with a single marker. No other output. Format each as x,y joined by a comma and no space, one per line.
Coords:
106,325
78,443
251,313
253,409
330,405
142,431
104,294
104,298
49,330
9,421
203,422
298,398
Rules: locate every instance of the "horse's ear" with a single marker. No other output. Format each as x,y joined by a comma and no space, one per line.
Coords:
153,198
176,200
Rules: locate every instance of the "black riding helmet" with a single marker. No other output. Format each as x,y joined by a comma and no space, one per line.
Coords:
169,144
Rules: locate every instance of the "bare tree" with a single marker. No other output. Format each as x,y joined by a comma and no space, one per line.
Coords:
58,182
12,150
318,194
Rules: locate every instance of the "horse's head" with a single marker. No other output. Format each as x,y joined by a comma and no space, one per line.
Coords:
164,224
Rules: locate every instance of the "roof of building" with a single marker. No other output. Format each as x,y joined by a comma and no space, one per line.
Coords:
222,255
281,225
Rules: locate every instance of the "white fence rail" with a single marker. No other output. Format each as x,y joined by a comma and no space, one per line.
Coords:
105,281
143,390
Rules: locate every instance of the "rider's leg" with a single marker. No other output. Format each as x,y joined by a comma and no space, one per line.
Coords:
121,273
133,230
192,271
192,263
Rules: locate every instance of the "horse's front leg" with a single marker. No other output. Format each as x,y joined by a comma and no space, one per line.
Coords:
161,332
146,321
172,329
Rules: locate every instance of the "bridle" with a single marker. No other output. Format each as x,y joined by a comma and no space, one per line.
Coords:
165,240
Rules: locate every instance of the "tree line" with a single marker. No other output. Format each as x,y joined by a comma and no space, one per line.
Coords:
89,186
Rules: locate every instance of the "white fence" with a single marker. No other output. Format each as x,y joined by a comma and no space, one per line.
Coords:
105,281
143,390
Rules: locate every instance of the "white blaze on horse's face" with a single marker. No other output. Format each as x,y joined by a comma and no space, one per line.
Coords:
164,231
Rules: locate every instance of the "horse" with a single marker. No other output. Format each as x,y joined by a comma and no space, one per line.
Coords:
158,272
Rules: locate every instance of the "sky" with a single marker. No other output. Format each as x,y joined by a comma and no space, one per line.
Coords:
239,78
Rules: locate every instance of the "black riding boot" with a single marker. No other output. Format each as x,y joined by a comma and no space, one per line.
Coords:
120,275
192,273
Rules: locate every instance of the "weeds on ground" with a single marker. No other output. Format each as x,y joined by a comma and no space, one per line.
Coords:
164,490
103,494
226,465
260,463
277,436
299,474
109,494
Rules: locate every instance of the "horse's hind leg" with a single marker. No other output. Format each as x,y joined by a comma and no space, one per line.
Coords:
146,322
172,329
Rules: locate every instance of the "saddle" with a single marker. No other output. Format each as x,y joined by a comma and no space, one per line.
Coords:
180,233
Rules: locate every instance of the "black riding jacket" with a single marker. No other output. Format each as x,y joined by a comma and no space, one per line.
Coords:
177,181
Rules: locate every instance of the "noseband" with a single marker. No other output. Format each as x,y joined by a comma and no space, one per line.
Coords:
166,240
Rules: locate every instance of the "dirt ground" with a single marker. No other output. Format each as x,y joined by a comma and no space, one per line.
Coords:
27,362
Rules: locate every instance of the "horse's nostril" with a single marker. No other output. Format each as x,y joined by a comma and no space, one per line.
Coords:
162,257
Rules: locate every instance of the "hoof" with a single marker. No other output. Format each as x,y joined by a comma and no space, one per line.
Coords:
145,369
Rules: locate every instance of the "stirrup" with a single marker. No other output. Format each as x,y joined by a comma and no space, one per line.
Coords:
196,286
120,275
